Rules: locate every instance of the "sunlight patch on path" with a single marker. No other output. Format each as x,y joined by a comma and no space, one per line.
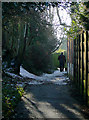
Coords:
48,101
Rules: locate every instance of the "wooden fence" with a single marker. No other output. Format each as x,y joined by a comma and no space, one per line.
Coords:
78,62
70,57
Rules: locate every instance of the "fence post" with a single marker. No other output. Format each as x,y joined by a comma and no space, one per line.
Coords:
83,63
79,61
85,67
68,56
74,58
88,66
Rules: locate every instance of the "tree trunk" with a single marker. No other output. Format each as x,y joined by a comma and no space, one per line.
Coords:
19,58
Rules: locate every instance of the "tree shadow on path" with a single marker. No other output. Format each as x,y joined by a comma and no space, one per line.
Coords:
48,101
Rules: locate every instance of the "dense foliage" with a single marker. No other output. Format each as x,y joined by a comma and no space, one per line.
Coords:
28,38
80,18
11,96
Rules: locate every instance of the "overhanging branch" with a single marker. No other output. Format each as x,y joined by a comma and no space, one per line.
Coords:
63,24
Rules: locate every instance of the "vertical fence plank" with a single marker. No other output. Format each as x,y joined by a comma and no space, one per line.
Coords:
87,67
81,63
80,59
74,60
72,57
68,55
77,60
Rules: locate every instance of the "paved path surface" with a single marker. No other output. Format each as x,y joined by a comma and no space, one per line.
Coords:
48,100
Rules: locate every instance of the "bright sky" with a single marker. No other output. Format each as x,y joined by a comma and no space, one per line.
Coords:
52,17
65,18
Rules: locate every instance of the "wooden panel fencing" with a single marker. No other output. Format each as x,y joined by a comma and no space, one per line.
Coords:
70,56
80,60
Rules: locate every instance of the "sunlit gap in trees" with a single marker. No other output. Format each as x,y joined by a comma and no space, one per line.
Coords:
57,23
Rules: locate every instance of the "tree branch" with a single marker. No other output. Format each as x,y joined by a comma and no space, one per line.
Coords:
60,19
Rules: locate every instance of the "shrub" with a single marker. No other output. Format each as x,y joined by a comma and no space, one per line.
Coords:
11,95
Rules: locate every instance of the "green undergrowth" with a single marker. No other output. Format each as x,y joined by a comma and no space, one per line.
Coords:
11,95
